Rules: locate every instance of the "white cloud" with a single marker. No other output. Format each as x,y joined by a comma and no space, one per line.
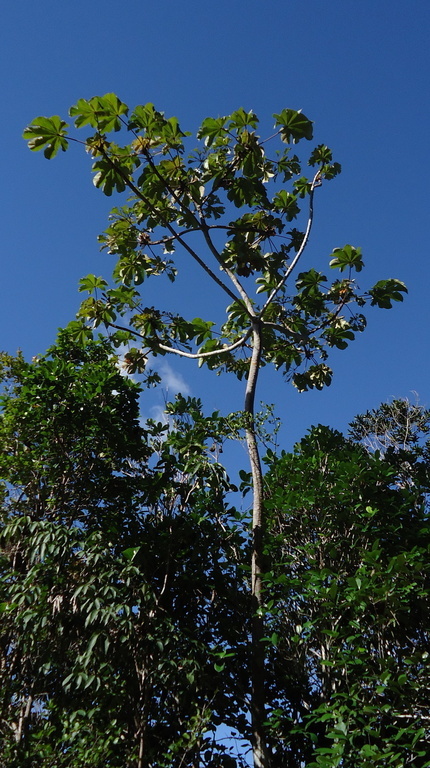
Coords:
172,381
158,413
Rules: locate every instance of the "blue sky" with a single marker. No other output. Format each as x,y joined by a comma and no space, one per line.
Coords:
359,70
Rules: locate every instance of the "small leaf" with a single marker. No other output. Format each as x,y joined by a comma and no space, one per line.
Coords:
130,553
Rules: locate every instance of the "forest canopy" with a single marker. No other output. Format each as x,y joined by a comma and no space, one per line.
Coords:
125,582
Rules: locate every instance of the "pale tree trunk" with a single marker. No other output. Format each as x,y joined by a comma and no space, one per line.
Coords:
260,750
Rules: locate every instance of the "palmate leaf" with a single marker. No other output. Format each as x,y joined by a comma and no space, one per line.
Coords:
79,333
213,131
114,169
100,112
241,120
309,282
91,282
294,125
47,133
287,203
316,377
107,178
320,155
339,334
146,118
384,292
347,257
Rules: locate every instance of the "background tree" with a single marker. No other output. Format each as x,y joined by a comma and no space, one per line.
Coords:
393,427
120,588
189,202
348,598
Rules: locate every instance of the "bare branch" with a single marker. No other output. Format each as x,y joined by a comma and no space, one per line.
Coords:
237,284
182,353
199,355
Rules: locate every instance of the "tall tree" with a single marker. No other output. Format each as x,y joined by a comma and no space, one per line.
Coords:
191,203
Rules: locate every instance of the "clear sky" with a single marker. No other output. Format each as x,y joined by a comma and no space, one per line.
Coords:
359,69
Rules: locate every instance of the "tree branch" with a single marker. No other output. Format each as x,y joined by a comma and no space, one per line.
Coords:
203,227
182,353
130,184
237,284
199,355
316,182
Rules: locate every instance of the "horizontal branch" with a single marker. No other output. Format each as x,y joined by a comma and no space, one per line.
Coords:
200,355
182,353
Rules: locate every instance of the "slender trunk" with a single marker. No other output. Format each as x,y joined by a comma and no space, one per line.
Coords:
23,718
258,695
141,714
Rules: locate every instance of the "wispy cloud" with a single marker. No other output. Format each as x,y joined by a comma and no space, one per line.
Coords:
158,414
172,381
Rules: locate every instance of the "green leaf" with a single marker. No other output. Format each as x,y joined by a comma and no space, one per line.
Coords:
213,131
316,377
146,118
384,292
92,642
347,257
111,175
101,112
79,332
309,282
294,125
47,133
302,186
320,155
6,607
130,553
90,283
339,333
287,203
242,120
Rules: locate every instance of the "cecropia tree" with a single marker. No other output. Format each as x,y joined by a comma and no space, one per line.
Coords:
229,201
